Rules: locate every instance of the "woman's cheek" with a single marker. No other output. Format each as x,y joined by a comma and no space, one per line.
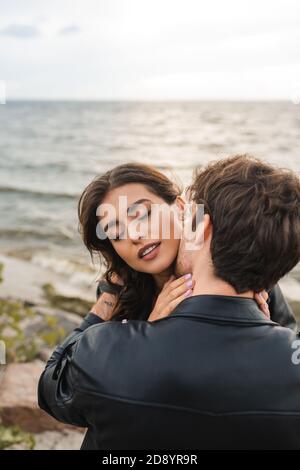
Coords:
120,248
131,259
170,248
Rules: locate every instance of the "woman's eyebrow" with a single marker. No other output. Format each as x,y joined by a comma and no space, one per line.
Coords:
136,203
130,208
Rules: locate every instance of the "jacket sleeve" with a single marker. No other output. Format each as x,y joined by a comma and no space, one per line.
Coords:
280,310
56,382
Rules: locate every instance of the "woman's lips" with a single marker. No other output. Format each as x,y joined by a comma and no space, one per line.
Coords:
153,253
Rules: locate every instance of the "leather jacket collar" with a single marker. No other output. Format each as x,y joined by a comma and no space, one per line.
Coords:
222,308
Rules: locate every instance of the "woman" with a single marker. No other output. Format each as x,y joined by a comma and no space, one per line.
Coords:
140,281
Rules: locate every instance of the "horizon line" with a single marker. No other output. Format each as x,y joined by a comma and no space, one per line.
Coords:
152,100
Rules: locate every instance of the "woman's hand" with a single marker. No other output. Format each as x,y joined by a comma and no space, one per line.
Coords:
104,307
173,292
261,299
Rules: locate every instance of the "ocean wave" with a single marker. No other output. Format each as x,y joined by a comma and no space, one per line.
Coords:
79,273
18,234
37,193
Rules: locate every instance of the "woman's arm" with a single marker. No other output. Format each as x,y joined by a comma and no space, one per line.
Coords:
51,389
106,298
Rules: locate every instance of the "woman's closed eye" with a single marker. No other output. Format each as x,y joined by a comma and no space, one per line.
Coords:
145,215
116,233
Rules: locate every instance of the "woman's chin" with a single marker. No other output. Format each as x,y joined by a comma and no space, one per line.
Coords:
157,266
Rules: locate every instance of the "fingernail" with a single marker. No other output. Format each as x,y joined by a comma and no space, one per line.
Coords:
187,276
189,283
188,292
266,309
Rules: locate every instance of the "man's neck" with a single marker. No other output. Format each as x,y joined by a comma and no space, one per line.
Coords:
206,284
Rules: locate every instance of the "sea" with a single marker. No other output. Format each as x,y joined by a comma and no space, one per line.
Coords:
49,152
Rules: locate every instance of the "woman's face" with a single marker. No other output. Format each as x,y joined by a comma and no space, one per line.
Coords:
144,240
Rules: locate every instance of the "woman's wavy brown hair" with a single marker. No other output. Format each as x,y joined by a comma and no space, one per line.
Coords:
138,291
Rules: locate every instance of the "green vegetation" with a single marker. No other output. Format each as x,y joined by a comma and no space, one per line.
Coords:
21,347
52,333
12,435
12,313
70,304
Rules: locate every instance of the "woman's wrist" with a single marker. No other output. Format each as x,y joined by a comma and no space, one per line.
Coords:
104,306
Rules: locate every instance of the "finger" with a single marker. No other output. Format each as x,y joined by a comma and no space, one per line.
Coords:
266,310
171,306
180,290
260,299
115,279
181,280
168,282
179,299
265,295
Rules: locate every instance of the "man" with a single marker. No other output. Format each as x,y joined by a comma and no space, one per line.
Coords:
215,373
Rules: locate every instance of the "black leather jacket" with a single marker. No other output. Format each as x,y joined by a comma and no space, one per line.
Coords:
214,374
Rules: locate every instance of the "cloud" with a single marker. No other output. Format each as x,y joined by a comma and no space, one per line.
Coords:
70,29
20,31
170,49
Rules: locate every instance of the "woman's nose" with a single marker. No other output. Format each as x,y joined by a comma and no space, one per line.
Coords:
136,233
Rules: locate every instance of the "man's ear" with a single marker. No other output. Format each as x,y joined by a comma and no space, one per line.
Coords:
207,227
180,202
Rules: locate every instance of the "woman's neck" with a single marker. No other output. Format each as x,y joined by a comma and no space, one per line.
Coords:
161,278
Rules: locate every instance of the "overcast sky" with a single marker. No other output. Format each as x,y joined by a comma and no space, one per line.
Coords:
150,49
